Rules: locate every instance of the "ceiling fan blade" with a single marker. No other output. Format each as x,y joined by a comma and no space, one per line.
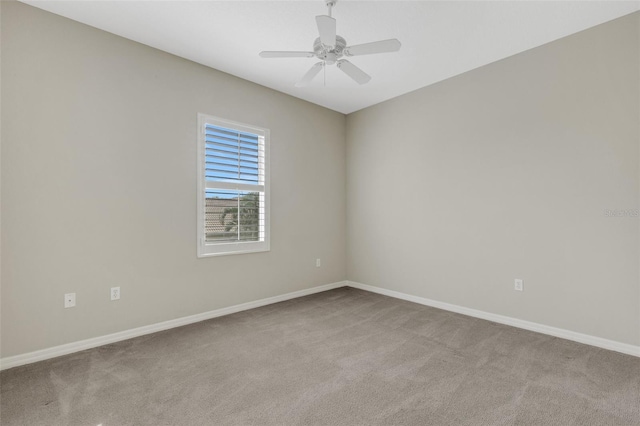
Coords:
383,46
354,72
326,29
313,71
290,54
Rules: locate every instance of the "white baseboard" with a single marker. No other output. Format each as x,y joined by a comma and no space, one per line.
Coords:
43,354
40,355
599,342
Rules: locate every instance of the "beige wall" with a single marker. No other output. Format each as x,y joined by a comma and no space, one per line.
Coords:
453,190
99,185
505,172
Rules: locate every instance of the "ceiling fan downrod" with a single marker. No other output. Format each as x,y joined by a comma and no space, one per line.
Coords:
330,4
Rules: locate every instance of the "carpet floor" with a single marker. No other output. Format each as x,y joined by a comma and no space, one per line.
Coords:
342,357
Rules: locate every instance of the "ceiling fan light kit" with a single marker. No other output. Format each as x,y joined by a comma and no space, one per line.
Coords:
330,48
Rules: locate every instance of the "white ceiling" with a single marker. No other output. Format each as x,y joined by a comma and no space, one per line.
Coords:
440,39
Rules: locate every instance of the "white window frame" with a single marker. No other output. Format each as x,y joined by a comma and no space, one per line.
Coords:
207,249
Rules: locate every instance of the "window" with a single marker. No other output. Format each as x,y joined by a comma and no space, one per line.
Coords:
233,187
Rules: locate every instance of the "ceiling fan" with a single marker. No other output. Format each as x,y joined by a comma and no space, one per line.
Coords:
330,48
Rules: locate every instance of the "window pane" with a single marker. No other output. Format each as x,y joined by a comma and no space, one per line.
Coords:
233,216
233,156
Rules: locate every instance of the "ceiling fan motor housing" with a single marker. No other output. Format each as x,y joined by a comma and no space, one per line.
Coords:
329,54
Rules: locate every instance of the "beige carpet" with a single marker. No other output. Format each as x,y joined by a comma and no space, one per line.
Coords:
343,357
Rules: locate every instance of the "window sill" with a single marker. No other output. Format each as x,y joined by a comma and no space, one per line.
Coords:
232,248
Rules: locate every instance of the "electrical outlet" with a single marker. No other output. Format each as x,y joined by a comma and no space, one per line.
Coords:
69,300
318,263
115,293
518,285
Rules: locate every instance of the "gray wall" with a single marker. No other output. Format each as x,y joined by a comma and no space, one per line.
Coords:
453,190
505,172
99,185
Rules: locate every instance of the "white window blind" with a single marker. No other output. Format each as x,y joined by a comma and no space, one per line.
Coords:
233,196
233,156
